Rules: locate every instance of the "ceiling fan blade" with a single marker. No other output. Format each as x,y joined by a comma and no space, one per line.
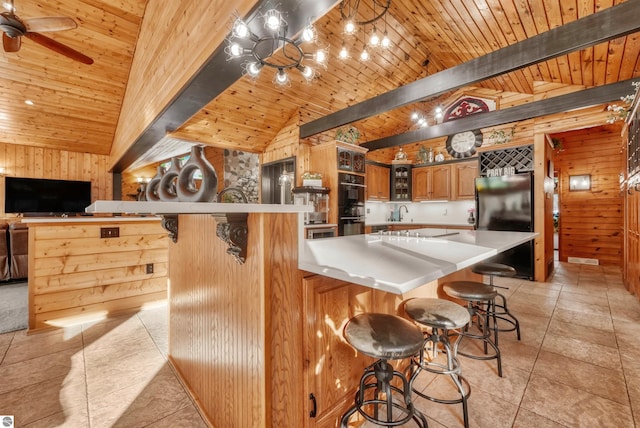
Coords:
10,44
59,47
49,23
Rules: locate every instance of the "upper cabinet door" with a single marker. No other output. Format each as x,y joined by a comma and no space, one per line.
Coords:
345,160
464,177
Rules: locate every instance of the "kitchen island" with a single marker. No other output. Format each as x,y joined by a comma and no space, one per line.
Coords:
258,341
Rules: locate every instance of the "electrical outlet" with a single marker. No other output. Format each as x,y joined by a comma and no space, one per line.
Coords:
109,232
444,211
149,267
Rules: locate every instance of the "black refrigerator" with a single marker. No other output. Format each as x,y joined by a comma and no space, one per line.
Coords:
506,203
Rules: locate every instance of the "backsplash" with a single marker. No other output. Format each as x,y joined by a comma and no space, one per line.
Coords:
453,213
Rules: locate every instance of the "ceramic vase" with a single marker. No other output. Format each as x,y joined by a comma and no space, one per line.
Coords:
471,219
151,191
167,186
186,188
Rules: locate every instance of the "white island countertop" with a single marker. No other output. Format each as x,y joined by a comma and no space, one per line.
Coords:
400,263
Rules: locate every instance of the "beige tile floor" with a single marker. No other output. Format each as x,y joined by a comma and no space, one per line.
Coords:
577,365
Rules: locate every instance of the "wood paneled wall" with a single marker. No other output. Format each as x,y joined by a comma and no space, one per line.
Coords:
591,222
236,329
73,272
35,162
287,144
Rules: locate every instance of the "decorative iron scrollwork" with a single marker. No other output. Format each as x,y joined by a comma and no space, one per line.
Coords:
170,224
232,228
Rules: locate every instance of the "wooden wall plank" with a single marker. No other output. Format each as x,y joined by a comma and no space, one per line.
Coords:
33,162
73,274
591,222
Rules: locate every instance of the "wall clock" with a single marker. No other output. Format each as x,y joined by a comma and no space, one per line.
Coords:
464,144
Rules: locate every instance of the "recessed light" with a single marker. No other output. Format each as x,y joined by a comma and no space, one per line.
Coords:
28,102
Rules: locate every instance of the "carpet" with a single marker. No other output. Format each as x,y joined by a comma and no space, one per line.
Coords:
14,313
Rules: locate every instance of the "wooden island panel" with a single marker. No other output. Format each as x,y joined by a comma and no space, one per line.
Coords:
254,342
236,329
73,272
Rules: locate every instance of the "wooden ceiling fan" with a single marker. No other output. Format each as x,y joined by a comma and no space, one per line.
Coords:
14,28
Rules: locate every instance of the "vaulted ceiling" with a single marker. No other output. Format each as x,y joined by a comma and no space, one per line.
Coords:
77,106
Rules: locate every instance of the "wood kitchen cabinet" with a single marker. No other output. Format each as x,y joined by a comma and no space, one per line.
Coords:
333,367
432,183
447,182
401,182
463,180
377,180
331,158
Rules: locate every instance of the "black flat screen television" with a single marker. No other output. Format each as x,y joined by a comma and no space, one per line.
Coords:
45,197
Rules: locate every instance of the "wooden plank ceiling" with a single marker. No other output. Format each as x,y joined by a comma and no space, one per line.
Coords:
76,106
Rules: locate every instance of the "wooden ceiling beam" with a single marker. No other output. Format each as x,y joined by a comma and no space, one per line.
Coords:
609,24
558,104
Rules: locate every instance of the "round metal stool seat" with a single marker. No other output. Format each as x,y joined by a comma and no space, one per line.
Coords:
437,313
497,269
480,300
501,310
470,291
440,316
385,337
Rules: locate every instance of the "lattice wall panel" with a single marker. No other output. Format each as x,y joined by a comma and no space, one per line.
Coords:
521,158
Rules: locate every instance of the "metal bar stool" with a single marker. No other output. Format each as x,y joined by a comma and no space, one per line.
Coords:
480,300
385,337
440,316
501,311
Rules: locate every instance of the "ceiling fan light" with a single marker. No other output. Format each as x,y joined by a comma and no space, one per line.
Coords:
415,116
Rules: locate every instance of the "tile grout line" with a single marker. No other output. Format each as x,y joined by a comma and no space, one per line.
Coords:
86,380
624,372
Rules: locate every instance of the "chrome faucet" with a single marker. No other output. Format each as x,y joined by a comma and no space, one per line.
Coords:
400,211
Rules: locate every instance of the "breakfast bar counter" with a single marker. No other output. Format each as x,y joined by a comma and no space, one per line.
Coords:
399,262
257,339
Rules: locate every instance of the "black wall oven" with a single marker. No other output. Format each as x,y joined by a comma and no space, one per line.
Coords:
350,204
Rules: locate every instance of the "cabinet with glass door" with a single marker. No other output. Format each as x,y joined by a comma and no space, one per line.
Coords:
401,182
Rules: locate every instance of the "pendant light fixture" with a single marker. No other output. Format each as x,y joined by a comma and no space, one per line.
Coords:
365,14
274,49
